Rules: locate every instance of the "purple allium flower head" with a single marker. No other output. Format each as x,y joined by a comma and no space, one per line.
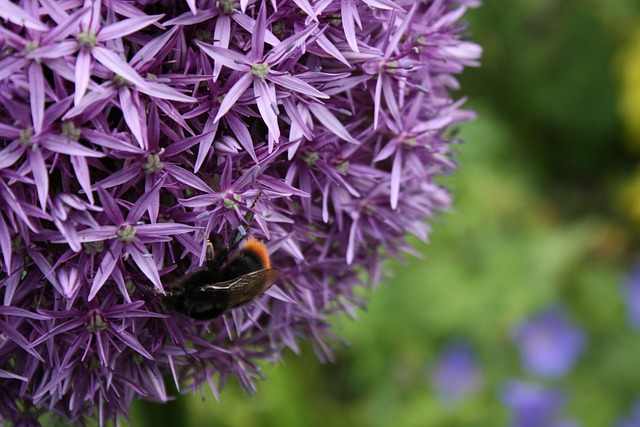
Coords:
532,405
631,293
130,130
549,343
456,373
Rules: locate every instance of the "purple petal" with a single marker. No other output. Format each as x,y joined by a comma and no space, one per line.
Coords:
40,175
190,18
383,4
11,64
300,117
239,129
390,93
131,111
92,103
14,335
172,112
115,63
54,111
187,178
221,37
349,14
145,263
377,99
162,91
331,49
18,16
110,206
162,229
386,152
396,176
67,24
94,17
11,39
192,6
247,23
104,232
5,245
54,50
109,260
325,117
257,35
186,143
117,277
36,95
68,231
226,57
209,133
11,153
277,293
60,144
151,49
12,203
307,8
266,101
12,376
82,74
353,236
133,343
233,95
401,31
111,142
81,170
129,175
283,49
19,312
296,85
153,207
143,202
43,265
127,26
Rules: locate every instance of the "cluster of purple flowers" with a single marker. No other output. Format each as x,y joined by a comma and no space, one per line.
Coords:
456,373
550,344
533,405
130,130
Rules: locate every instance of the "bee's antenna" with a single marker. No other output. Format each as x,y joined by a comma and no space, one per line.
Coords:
248,218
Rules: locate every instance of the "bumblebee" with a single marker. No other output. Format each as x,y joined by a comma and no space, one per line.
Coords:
224,282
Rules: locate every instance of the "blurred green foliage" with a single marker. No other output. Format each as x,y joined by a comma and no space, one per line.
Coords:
537,221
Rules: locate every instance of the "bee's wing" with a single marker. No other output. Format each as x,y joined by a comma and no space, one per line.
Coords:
244,288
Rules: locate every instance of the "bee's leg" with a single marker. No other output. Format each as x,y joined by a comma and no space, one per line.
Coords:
210,252
167,293
244,228
216,253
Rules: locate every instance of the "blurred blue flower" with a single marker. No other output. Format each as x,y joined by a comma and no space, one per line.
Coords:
532,405
631,294
549,343
456,374
633,419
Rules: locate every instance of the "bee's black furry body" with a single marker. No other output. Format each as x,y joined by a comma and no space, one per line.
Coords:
218,287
